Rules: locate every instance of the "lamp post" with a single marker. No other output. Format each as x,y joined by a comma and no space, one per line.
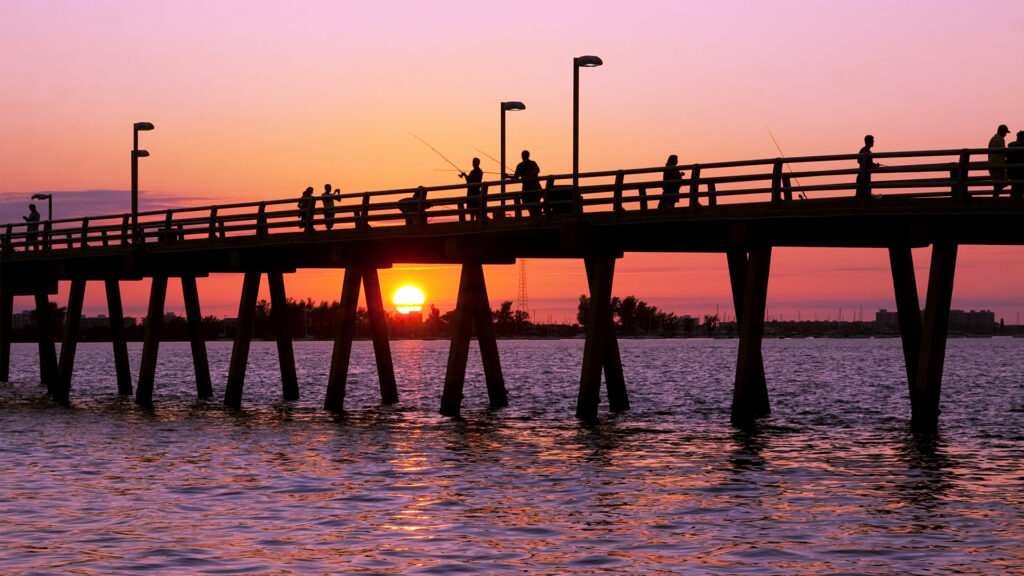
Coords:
577,63
136,154
512,106
49,203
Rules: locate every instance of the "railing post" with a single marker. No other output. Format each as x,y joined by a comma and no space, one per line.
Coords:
364,212
482,216
47,229
787,189
421,217
959,176
124,230
85,233
695,186
777,181
261,221
642,194
169,227
213,223
617,204
712,197
8,247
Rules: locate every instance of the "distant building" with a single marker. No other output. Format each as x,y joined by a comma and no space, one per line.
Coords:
974,320
22,319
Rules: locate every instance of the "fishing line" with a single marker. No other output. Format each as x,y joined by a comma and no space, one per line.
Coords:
461,171
788,167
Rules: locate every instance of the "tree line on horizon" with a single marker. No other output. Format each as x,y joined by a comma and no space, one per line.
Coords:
311,320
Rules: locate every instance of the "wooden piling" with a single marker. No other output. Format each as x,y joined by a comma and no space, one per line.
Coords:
337,379
599,317
614,380
472,307
116,314
737,260
285,353
458,353
6,319
47,348
73,319
908,309
243,338
925,396
379,334
194,319
496,392
750,394
151,341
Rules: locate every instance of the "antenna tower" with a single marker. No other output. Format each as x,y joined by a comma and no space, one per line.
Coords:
522,300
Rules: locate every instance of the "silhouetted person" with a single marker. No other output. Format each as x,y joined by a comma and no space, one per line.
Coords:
996,159
1015,168
473,189
411,206
866,164
527,172
306,206
328,198
32,230
670,177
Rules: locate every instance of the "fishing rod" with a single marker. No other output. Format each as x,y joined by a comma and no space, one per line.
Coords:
788,167
450,170
496,161
461,171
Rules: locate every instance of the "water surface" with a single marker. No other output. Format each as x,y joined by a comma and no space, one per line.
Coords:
831,482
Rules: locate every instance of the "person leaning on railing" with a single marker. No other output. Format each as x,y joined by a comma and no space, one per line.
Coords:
866,165
1015,166
996,159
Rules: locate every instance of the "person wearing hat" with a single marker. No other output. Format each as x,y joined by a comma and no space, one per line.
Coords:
996,159
1015,170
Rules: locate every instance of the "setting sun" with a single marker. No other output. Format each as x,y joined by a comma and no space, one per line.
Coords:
408,299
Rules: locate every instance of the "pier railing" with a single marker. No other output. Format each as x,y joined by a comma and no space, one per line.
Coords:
777,181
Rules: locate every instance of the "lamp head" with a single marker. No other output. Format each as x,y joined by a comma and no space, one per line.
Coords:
139,126
587,61
514,105
41,196
140,153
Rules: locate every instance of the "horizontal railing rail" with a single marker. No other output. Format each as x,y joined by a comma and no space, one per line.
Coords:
959,173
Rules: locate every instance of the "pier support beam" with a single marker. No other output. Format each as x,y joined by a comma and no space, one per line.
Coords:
750,393
472,307
151,341
73,319
614,380
600,334
924,398
243,338
337,379
116,314
379,333
6,317
194,319
285,354
47,348
908,309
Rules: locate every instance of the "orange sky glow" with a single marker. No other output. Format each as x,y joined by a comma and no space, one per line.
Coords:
257,100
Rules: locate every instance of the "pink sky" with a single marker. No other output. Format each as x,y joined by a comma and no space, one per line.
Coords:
257,100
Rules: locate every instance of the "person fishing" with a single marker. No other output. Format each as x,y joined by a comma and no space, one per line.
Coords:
527,172
473,188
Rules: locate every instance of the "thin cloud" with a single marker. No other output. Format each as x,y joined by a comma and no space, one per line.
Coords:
82,203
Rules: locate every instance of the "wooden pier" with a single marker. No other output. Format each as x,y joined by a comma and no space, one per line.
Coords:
742,210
